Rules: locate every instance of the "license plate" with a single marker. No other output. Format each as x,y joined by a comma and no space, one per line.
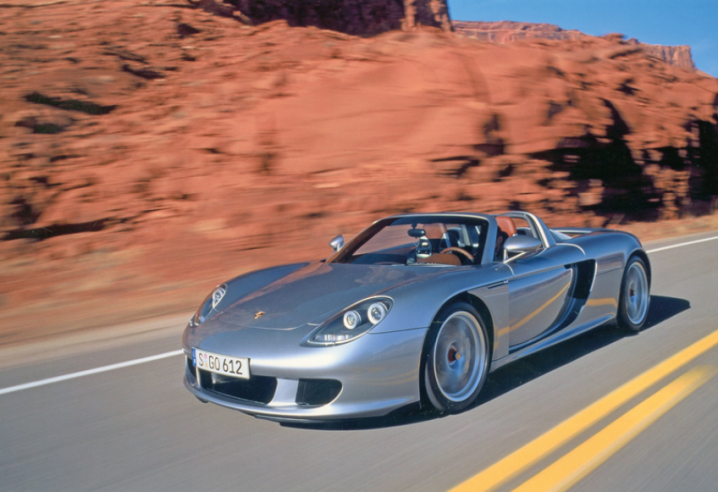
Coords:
237,367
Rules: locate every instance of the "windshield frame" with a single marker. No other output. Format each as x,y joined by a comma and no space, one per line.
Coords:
346,254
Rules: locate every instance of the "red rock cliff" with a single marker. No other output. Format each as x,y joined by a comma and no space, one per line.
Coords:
149,150
679,56
505,32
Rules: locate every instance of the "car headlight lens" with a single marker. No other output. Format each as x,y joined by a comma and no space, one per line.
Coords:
210,302
376,312
218,294
353,322
352,319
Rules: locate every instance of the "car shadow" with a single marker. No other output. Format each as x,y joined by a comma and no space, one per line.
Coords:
519,372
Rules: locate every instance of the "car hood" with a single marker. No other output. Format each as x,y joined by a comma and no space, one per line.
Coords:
317,291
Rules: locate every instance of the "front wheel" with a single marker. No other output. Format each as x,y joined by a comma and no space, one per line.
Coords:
635,296
456,358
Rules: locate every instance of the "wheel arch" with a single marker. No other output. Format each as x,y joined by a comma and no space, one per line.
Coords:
477,304
623,318
485,314
644,257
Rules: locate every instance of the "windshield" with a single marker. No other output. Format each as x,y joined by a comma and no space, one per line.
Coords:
418,240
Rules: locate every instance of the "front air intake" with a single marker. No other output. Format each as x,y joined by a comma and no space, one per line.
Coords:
191,372
258,389
317,391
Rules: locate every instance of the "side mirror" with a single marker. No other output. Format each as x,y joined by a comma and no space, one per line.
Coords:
337,243
516,245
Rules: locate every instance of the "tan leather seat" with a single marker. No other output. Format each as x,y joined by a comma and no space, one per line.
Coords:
507,225
434,231
441,259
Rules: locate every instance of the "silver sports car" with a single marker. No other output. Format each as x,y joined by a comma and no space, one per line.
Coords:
416,308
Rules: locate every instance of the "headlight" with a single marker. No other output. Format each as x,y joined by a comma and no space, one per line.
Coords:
352,322
376,312
352,319
210,302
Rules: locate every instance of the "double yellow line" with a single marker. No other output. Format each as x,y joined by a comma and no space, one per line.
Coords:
582,460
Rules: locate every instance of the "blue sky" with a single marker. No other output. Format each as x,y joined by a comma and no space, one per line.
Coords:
668,22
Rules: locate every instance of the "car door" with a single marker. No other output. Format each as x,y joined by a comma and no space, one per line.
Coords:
539,291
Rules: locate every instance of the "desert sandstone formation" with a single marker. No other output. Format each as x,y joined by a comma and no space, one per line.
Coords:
506,32
148,150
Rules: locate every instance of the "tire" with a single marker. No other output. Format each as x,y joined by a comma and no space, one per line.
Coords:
450,384
635,296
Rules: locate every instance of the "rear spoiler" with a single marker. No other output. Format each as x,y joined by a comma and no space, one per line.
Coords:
579,231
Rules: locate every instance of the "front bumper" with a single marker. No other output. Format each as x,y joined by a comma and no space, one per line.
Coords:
378,373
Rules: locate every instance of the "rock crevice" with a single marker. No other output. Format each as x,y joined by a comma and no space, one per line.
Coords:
360,17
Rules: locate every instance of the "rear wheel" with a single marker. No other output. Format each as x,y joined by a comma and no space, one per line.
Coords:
635,296
456,358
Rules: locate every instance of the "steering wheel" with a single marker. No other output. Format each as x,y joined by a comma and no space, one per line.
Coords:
455,249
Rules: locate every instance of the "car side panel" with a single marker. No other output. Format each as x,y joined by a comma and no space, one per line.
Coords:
540,291
496,298
537,300
606,252
417,304
611,251
603,300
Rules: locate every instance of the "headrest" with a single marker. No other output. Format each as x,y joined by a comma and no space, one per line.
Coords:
435,231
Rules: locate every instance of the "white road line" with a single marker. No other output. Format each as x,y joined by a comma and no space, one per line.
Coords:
88,372
682,244
129,363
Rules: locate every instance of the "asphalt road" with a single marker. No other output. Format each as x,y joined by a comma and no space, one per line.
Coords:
137,429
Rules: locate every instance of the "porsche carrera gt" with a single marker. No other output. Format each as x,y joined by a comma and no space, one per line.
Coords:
416,308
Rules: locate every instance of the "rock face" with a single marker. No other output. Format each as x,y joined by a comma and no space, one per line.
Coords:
679,56
505,32
148,151
350,16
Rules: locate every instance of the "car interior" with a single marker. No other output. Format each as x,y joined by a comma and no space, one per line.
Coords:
427,242
435,240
